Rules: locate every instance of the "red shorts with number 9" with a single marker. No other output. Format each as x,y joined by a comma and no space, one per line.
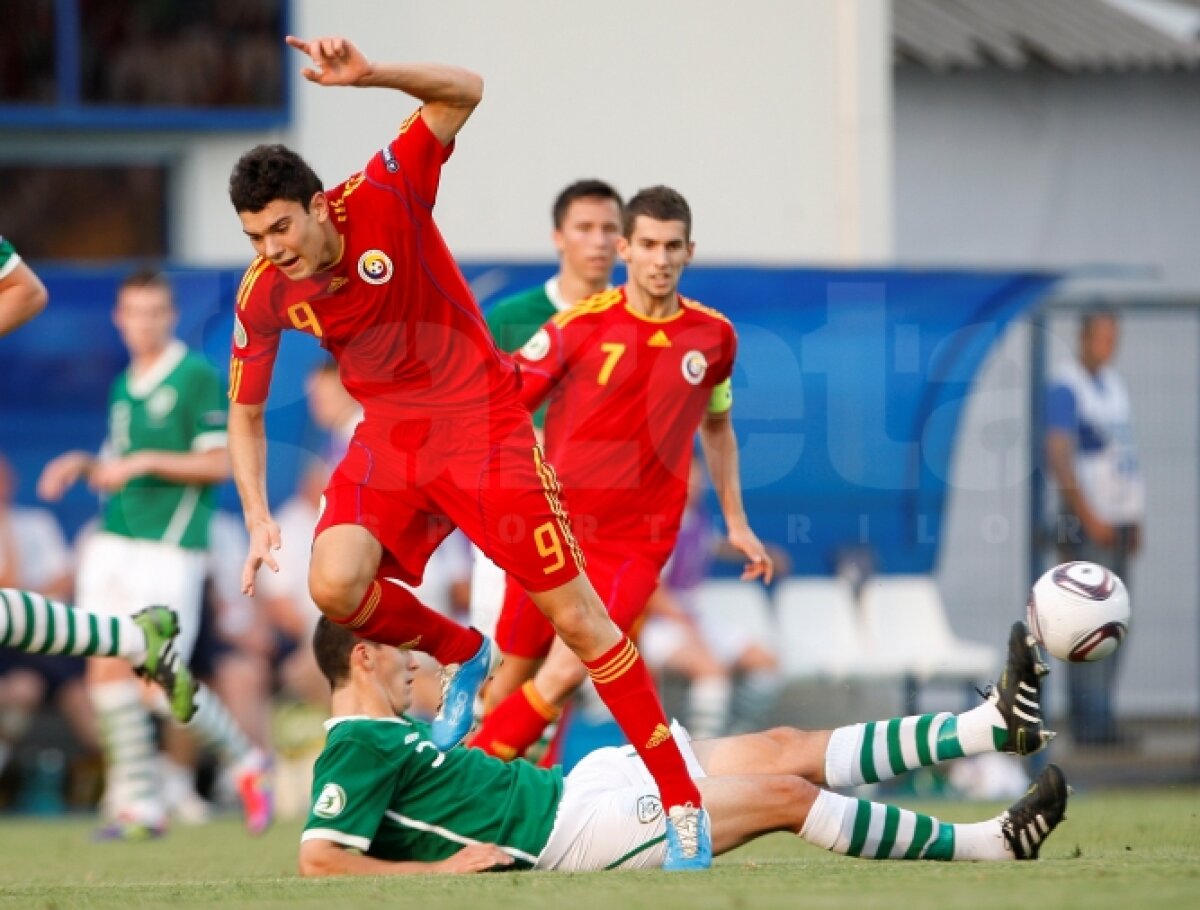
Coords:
411,483
622,577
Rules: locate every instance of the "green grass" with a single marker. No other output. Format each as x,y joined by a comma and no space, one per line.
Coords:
1126,849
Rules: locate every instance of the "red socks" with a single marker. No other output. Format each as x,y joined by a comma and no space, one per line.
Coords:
391,615
624,683
515,724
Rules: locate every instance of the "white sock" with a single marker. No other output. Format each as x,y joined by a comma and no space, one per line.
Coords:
857,827
880,750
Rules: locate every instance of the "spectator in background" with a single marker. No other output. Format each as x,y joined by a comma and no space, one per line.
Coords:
34,557
1093,460
713,653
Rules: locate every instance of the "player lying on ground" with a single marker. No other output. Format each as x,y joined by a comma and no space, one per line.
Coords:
444,441
387,802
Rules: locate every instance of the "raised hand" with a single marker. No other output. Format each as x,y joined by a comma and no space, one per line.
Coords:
338,61
264,541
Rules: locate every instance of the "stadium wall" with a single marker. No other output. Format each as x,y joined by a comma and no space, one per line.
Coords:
1052,170
772,117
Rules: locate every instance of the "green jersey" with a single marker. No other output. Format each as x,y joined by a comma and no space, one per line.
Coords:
514,320
177,406
381,786
9,259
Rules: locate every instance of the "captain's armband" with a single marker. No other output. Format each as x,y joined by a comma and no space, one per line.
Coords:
722,397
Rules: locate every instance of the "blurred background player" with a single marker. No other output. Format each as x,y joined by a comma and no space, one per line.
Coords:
162,457
631,375
22,294
445,440
732,673
1101,496
586,219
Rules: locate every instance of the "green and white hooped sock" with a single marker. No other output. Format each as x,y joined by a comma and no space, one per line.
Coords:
130,753
212,725
880,750
857,827
32,623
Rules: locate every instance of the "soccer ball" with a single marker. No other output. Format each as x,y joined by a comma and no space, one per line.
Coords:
1079,611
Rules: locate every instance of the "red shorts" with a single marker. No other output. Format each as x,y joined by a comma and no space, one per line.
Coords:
411,485
624,580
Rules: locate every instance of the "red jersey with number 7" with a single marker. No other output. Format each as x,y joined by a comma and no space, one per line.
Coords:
627,394
394,310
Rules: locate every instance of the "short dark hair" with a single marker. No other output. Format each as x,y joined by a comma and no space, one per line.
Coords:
270,172
660,203
332,645
583,189
147,277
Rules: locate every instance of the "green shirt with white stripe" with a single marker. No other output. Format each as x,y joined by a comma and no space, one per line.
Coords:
381,786
9,259
176,406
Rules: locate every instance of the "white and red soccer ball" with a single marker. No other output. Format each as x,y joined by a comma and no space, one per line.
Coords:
1079,611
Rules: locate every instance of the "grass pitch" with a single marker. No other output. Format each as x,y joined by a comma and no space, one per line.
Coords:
1122,849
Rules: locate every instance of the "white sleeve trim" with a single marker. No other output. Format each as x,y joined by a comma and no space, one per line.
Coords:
11,266
206,442
338,837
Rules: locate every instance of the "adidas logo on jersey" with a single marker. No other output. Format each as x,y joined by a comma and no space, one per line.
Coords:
660,735
659,340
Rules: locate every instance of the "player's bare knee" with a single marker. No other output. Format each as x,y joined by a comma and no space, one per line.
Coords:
336,594
576,625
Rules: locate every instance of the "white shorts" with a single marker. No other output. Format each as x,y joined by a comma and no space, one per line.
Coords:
610,815
487,593
119,576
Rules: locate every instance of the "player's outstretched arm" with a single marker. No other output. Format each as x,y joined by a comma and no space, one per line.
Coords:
449,93
61,473
248,456
320,858
22,296
721,453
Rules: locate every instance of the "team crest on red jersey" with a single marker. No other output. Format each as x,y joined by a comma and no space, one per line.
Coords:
374,267
537,347
694,366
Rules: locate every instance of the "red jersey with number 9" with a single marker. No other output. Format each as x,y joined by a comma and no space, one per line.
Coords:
395,311
627,394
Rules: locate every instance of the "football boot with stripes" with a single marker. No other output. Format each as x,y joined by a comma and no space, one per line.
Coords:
1029,821
1018,695
163,664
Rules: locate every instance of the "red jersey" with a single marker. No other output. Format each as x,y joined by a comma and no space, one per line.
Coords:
627,394
395,311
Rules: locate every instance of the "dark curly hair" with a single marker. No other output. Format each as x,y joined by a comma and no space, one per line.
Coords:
270,172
